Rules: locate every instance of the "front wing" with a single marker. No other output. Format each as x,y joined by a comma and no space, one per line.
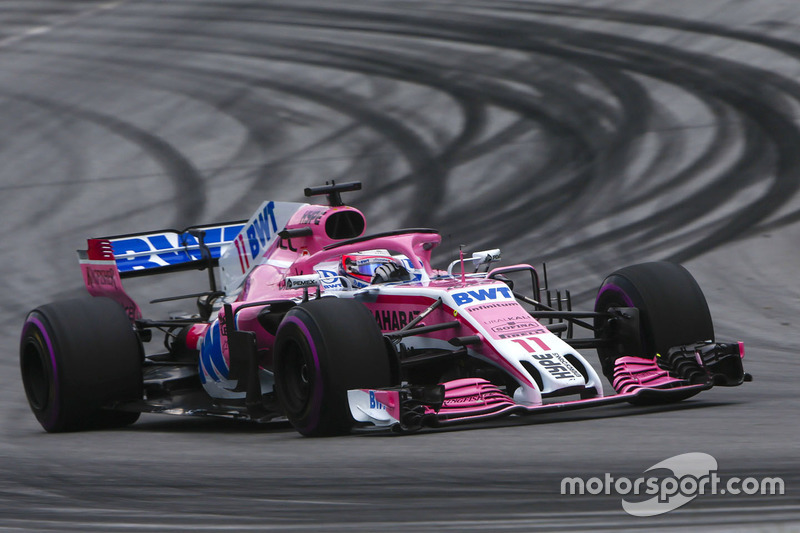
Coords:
637,380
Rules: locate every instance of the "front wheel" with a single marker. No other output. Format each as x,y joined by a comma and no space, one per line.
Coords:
77,356
672,310
323,348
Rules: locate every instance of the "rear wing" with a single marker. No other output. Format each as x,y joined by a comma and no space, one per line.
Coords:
236,247
109,259
169,250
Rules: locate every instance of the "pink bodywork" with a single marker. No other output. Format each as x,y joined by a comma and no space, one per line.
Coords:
634,373
475,399
465,399
266,282
472,396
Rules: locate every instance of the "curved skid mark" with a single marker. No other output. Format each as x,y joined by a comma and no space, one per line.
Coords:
56,136
427,170
606,57
189,198
473,118
255,115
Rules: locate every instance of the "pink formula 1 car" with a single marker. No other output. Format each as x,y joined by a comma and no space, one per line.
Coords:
309,319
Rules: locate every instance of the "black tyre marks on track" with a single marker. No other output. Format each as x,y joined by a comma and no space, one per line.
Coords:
590,140
554,117
33,127
190,187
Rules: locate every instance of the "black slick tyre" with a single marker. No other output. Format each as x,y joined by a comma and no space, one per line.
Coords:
672,310
77,357
322,349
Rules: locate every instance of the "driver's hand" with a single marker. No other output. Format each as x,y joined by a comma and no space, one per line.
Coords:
389,272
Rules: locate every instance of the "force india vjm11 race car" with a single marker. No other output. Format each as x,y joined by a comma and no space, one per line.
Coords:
333,329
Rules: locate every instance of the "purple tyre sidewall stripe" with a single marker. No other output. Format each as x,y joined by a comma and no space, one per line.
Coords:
617,290
53,401
316,398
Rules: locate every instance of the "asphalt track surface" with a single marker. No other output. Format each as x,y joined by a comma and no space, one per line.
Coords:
589,135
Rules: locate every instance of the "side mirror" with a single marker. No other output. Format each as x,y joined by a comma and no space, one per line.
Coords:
485,257
302,282
479,259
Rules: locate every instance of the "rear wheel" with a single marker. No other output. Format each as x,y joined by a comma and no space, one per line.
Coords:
672,310
77,356
323,348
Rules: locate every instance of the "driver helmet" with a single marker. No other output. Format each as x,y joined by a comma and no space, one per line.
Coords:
360,268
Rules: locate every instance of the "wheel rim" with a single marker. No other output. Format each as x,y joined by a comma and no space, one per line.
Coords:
297,379
35,375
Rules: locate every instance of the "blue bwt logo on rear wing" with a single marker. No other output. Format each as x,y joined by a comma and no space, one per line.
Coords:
237,247
170,248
